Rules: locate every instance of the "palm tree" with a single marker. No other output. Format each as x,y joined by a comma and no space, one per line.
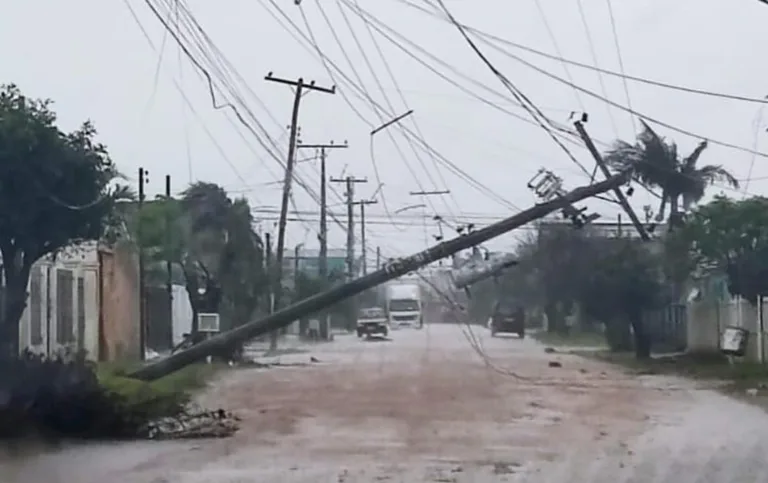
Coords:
656,162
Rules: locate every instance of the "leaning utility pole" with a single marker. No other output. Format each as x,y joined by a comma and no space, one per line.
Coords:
362,204
323,237
299,89
350,182
143,179
617,190
390,271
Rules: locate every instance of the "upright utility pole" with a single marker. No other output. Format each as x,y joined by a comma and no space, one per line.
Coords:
617,190
362,204
378,258
299,86
143,179
323,237
168,265
350,181
270,272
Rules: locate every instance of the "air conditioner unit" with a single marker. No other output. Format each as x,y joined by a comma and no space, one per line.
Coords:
208,323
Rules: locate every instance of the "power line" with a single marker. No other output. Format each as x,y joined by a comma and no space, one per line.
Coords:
621,62
421,142
593,53
485,37
522,99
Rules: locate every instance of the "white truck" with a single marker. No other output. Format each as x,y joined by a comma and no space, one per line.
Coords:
404,305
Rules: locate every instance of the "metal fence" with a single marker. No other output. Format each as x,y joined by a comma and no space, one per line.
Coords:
667,328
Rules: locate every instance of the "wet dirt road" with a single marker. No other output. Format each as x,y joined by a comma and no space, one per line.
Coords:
426,407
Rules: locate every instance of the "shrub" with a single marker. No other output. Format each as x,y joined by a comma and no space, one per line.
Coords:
72,398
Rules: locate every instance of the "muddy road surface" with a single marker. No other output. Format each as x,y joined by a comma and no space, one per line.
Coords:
439,405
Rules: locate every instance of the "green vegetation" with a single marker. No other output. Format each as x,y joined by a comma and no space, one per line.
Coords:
56,189
656,162
732,236
736,377
165,397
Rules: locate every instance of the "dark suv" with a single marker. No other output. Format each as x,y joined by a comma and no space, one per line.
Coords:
508,317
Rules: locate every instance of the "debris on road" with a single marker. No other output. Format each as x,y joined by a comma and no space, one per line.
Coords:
202,424
500,468
555,364
550,350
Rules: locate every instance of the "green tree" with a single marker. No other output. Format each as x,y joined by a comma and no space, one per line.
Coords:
557,262
621,285
210,239
731,236
55,190
657,163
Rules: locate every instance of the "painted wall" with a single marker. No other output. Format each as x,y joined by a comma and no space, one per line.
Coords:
119,328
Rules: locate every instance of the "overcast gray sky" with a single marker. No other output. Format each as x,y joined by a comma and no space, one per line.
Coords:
93,60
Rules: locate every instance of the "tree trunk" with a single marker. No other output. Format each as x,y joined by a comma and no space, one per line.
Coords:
642,339
14,303
273,340
674,212
662,208
618,335
555,319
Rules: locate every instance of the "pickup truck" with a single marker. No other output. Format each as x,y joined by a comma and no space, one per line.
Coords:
372,321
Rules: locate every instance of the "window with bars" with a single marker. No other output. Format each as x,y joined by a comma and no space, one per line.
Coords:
80,313
35,306
64,306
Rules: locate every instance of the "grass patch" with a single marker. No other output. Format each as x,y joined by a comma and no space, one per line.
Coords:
737,377
160,398
575,339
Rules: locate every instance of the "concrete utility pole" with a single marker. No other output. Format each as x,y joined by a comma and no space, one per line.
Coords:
143,179
389,272
299,86
362,204
350,181
323,237
617,190
270,272
168,264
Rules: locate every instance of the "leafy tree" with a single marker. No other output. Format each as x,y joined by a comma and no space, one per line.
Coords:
210,240
621,285
559,260
657,162
306,286
55,191
731,236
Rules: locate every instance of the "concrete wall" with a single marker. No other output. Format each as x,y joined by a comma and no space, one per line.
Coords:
60,318
707,320
119,328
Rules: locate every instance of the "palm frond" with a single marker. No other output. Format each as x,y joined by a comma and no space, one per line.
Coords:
689,163
716,173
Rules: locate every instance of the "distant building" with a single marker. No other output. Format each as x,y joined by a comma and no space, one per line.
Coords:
308,261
